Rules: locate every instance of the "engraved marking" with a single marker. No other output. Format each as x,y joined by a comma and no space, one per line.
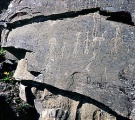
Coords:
75,6
117,40
94,31
95,3
94,28
76,44
63,49
51,57
97,39
128,50
117,37
86,51
121,5
102,38
105,73
91,60
39,34
52,43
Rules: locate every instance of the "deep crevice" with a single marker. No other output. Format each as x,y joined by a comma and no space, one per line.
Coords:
30,100
4,5
6,112
17,52
42,18
121,17
73,95
35,73
78,114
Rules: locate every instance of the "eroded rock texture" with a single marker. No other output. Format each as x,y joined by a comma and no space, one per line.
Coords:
85,47
52,103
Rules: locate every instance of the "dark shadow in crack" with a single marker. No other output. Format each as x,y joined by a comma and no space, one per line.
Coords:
6,112
4,5
18,53
72,95
30,100
122,17
42,18
35,73
78,114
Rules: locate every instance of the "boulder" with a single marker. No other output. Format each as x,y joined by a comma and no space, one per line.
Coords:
74,46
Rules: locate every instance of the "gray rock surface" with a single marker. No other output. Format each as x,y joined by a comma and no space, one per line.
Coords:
50,7
85,54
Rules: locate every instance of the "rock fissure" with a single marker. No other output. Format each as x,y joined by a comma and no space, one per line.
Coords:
51,7
78,114
121,17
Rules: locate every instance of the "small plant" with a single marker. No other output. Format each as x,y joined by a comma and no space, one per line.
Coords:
8,99
2,52
8,76
23,106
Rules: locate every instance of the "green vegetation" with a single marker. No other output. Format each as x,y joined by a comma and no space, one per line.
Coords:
23,106
8,76
2,52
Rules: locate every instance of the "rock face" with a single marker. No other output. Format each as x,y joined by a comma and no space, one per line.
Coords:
85,47
51,7
52,103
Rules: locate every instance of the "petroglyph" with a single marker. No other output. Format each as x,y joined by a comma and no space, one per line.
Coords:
51,56
91,60
95,3
94,31
116,41
76,44
105,73
87,41
63,49
52,43
97,39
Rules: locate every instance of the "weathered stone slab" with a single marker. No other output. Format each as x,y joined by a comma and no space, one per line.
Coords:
87,54
50,7
66,108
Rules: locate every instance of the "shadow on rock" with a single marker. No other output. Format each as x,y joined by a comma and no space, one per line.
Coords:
6,112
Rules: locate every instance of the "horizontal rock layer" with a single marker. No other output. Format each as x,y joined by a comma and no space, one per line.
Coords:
50,7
